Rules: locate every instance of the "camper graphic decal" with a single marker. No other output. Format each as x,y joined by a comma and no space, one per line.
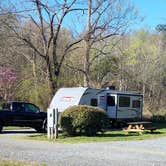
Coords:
67,98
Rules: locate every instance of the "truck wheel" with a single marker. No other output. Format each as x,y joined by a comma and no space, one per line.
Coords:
1,127
43,128
39,129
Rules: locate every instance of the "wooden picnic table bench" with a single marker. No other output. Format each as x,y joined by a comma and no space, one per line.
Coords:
139,127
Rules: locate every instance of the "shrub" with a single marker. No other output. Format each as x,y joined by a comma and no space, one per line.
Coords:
83,120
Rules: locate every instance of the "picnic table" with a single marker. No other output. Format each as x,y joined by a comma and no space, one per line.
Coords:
139,127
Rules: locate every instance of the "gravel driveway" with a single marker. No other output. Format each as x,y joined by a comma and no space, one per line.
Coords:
120,153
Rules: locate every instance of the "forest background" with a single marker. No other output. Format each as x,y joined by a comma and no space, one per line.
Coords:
45,45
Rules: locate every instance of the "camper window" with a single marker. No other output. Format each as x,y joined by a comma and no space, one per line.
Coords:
93,102
124,101
136,104
110,100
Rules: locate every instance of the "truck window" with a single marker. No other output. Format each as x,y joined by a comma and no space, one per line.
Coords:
18,107
31,108
124,101
136,104
111,100
93,102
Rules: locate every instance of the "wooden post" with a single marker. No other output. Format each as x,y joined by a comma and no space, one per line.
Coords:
48,133
55,113
49,123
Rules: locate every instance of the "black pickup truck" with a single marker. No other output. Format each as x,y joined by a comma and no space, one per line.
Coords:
23,114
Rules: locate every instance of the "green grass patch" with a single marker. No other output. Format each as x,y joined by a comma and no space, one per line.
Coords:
14,128
107,136
6,162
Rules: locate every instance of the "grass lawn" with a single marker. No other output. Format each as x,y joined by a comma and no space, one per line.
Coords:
14,128
6,162
107,136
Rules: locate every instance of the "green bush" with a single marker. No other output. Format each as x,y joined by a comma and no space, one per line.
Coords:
83,120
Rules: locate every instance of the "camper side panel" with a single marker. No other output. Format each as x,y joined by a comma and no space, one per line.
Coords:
89,97
129,107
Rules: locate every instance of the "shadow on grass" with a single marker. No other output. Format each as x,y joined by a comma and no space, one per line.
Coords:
154,132
108,135
102,135
18,132
113,135
128,135
37,135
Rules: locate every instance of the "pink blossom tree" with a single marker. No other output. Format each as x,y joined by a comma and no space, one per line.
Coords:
7,81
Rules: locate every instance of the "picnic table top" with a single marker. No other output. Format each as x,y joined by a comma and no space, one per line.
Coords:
139,122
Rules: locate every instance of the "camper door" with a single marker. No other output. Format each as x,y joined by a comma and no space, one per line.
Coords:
108,102
111,105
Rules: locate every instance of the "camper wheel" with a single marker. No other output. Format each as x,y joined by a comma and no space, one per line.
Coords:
114,123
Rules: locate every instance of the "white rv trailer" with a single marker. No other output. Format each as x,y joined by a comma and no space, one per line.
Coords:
118,105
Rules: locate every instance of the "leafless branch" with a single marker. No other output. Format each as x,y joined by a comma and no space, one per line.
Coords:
75,68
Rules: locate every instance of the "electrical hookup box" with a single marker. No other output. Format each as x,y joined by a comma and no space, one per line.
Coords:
52,123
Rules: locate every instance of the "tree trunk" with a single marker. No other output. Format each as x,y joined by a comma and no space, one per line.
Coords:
50,78
143,89
87,66
88,47
35,78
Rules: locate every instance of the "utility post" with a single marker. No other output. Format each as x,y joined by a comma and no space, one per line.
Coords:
52,123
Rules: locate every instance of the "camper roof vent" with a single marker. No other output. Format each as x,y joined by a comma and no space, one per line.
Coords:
110,87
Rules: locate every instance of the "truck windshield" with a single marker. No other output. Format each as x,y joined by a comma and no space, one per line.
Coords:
31,108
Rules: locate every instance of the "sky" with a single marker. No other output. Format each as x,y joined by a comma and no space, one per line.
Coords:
154,12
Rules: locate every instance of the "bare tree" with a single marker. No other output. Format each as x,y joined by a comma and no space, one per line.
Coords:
104,20
49,22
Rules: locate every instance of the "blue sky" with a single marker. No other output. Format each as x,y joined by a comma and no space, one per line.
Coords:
154,12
